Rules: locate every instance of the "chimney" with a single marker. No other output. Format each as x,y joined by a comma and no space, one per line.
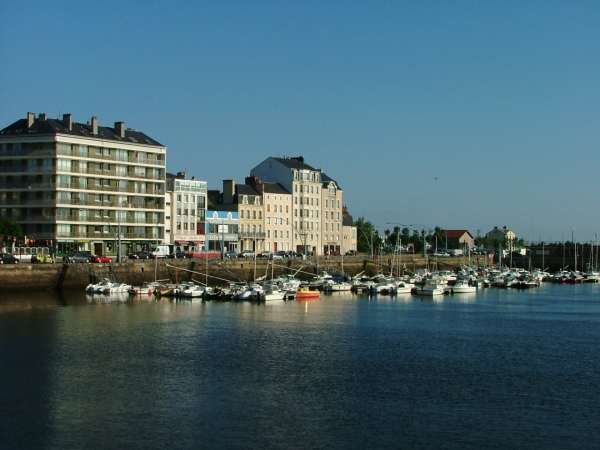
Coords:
228,190
43,117
30,119
120,129
94,125
68,121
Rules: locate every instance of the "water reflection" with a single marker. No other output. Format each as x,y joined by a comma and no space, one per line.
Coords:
341,372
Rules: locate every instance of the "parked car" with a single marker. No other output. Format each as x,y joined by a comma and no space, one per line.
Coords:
247,254
352,252
178,254
231,254
266,254
81,257
442,254
41,258
141,255
7,258
293,254
280,255
101,259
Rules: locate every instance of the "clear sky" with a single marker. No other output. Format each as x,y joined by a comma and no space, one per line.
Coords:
458,114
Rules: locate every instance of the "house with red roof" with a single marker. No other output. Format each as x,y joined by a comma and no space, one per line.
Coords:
458,239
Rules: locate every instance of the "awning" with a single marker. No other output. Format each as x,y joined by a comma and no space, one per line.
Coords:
196,242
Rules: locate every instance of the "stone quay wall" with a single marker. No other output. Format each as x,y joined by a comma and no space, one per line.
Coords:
37,277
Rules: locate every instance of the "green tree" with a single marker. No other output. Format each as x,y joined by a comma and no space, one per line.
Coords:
368,238
9,229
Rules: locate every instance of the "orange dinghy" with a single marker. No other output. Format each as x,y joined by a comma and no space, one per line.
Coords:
306,294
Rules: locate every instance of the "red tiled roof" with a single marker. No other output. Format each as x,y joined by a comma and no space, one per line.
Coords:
457,234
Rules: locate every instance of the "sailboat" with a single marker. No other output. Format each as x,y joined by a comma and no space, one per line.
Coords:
341,286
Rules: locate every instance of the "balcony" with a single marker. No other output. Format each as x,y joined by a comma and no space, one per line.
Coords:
251,235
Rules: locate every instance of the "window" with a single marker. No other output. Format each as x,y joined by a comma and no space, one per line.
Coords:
326,202
268,233
241,213
268,208
287,208
325,215
254,214
260,214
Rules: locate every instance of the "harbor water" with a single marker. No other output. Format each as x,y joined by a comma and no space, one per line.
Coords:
495,369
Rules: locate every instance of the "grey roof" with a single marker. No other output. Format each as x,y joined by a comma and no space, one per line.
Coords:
294,162
274,188
326,179
298,163
244,189
53,127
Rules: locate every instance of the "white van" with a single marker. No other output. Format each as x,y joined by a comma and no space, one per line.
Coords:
160,251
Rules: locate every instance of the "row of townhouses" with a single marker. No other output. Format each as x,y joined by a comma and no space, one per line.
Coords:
76,186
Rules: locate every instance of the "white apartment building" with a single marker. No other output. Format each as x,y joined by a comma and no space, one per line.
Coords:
185,214
306,186
332,217
278,225
80,186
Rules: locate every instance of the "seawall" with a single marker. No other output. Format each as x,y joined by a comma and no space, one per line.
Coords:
37,277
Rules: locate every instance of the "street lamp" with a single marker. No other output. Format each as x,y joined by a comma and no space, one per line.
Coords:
368,242
118,233
411,227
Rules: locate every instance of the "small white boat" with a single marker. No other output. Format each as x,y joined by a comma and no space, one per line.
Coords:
462,286
193,291
403,288
106,286
250,292
144,289
431,287
272,293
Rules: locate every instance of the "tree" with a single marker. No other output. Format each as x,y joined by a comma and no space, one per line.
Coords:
367,238
9,229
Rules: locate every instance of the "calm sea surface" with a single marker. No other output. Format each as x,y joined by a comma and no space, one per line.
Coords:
497,369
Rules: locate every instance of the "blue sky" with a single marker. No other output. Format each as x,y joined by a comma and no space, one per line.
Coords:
500,101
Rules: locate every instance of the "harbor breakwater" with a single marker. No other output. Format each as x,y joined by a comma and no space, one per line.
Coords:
37,277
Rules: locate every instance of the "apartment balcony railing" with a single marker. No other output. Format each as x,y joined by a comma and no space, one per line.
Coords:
77,154
110,204
105,236
251,235
78,202
79,170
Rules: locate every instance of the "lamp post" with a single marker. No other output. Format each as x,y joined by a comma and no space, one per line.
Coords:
368,242
116,235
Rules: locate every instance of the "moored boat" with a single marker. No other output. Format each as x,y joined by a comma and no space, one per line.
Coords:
305,293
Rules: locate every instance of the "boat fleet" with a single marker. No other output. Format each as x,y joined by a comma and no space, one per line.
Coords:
287,287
